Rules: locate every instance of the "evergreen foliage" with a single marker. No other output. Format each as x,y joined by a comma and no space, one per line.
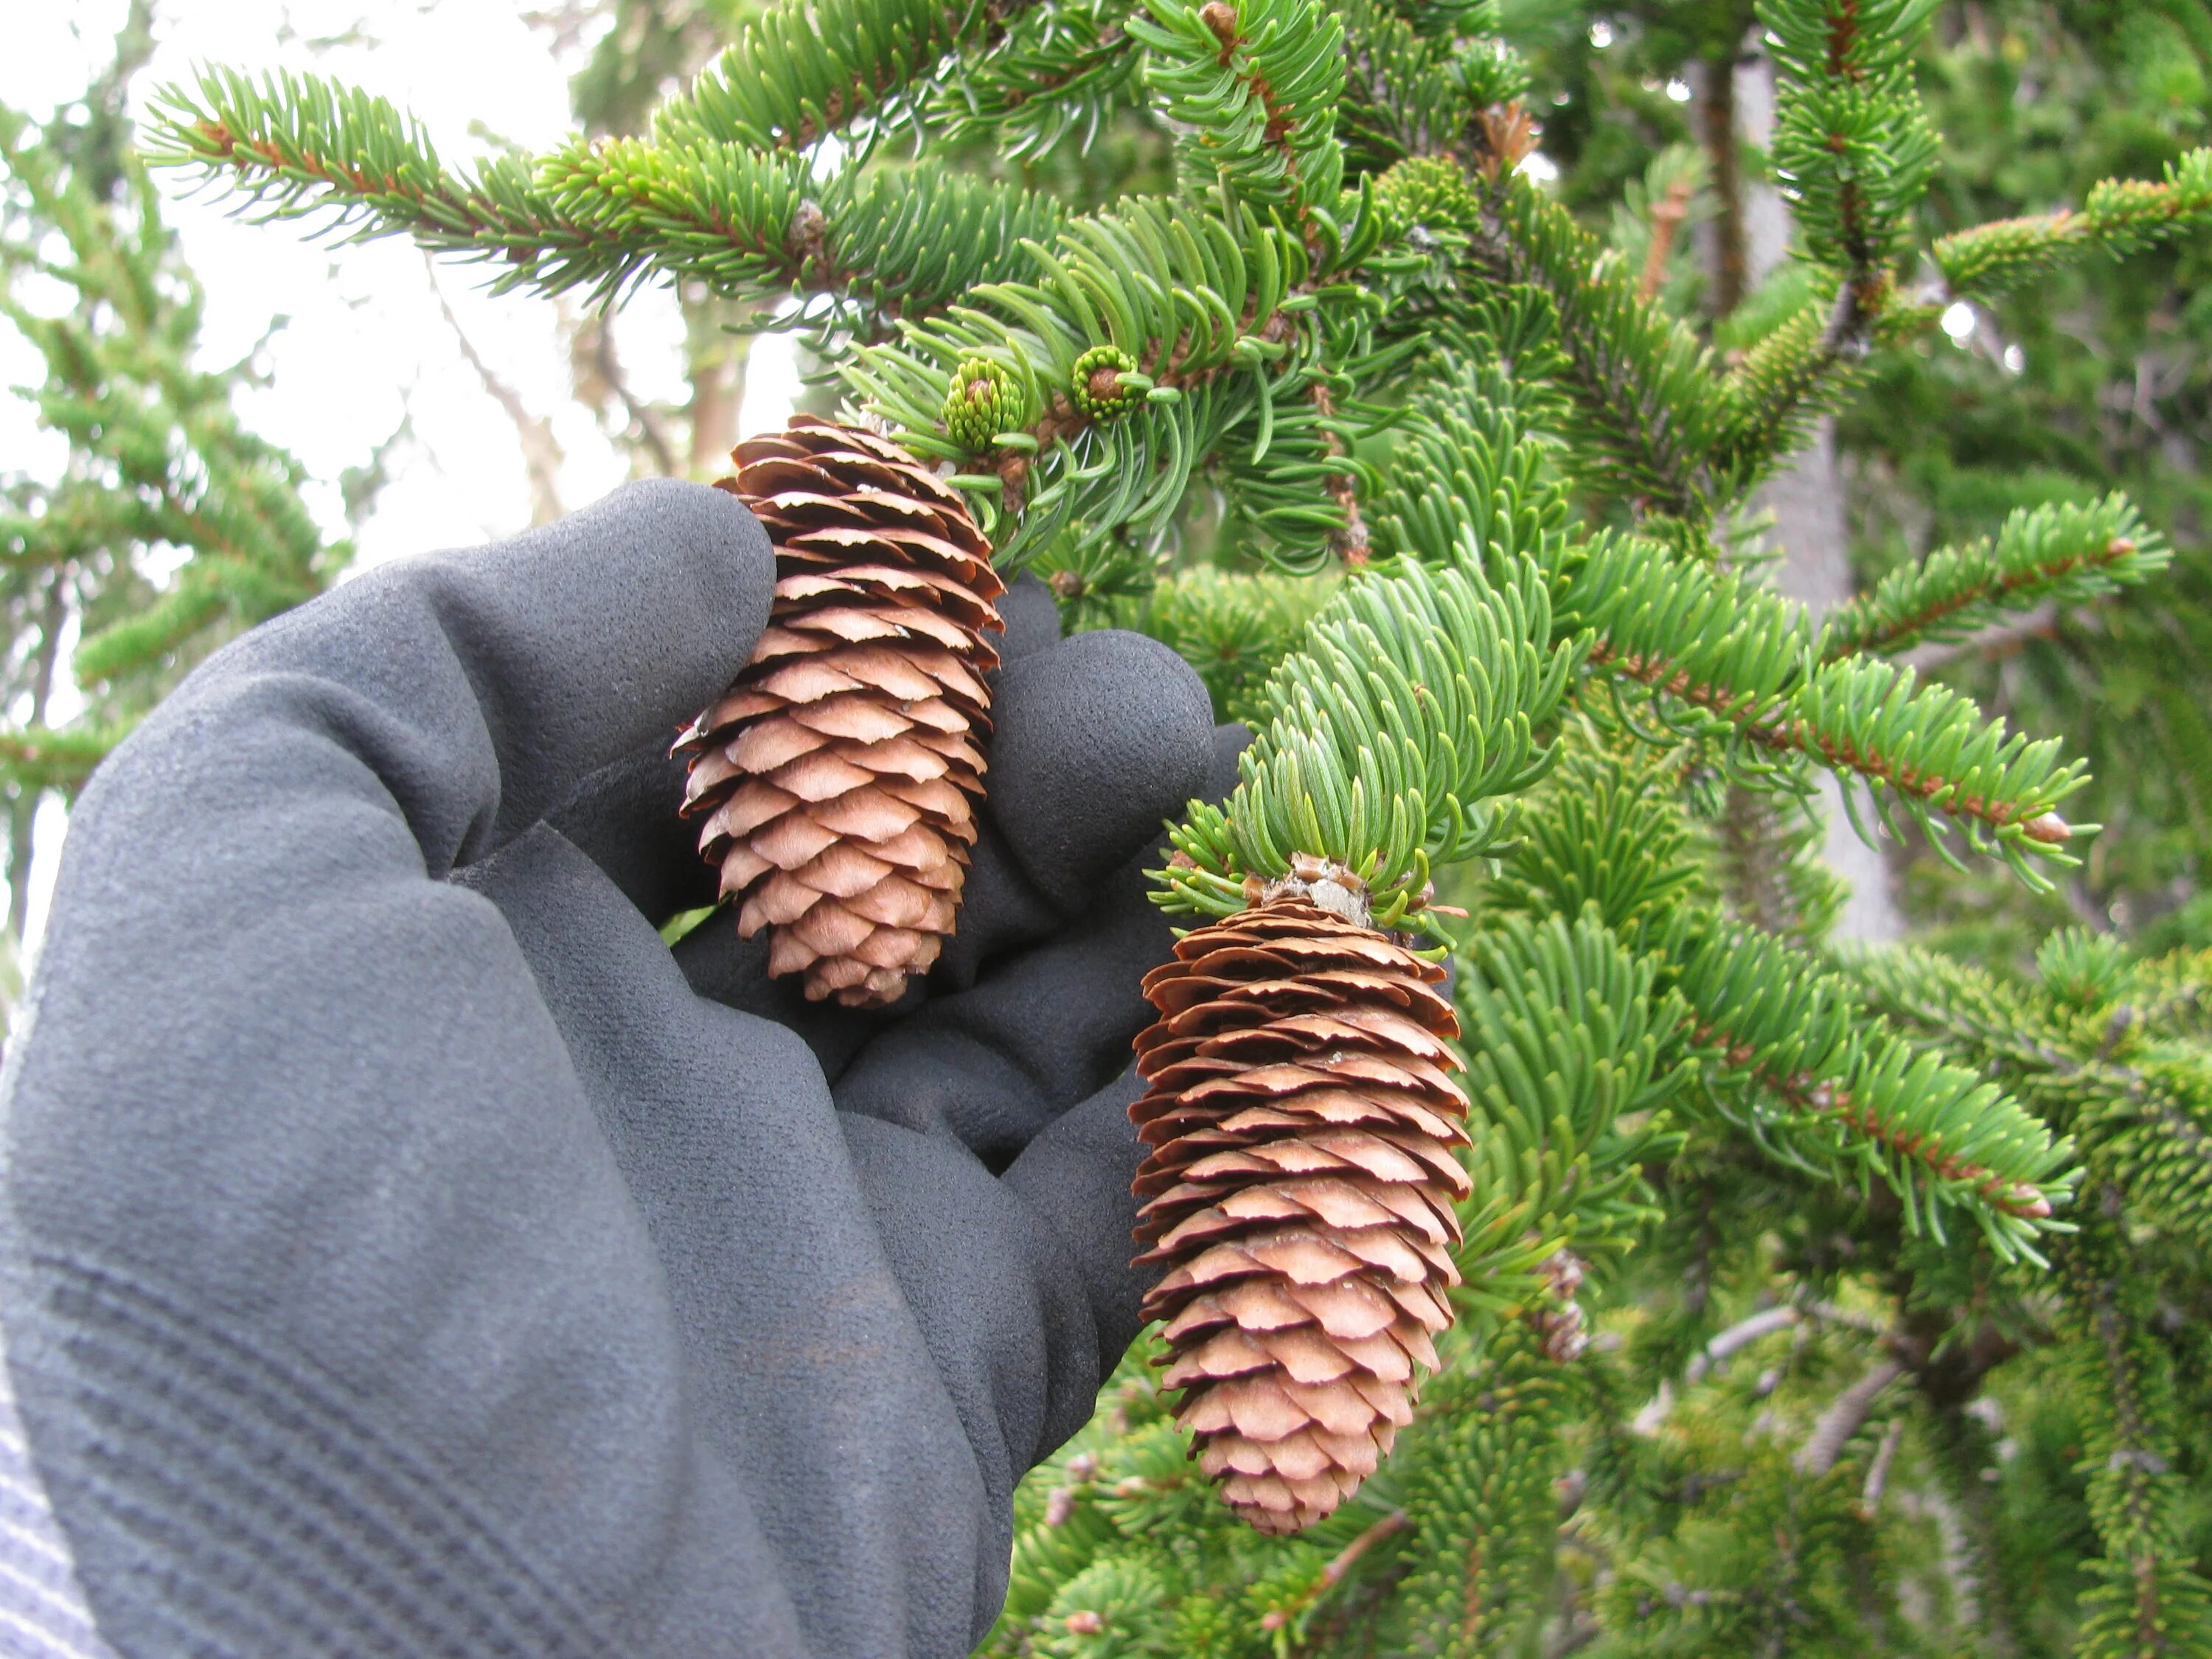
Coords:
1793,1281
2070,379
167,527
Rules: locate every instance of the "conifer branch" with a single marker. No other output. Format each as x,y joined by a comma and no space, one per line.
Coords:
1395,741
1145,337
1857,1102
46,757
2060,555
1852,148
1609,840
1645,393
601,215
1059,70
1406,88
1853,152
2139,1102
1566,1038
2150,1600
1744,665
801,70
1783,1047
1805,368
1878,1467
2119,215
1481,1485
1845,1417
1253,85
159,456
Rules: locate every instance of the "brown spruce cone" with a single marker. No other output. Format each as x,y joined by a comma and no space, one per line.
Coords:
1299,1190
838,777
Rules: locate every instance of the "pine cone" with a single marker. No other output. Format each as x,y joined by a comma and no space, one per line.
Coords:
1300,1190
839,776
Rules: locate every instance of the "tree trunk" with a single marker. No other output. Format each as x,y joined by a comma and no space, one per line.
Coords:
717,373
1807,497
23,809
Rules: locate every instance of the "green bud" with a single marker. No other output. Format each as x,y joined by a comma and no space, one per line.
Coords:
1430,190
982,402
1098,388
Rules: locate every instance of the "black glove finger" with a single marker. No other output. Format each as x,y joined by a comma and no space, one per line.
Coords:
1043,1027
479,689
1102,738
1032,616
1074,1177
1021,1299
627,820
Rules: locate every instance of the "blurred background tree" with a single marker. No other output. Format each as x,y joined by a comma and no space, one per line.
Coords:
165,525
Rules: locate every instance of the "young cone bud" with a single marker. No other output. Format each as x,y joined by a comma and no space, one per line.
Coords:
1300,1191
837,779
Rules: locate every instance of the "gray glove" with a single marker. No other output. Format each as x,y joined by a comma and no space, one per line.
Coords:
407,1253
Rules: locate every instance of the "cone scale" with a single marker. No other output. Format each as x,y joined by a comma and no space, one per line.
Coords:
836,781
1298,1191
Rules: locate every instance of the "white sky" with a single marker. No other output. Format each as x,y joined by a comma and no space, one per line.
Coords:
365,343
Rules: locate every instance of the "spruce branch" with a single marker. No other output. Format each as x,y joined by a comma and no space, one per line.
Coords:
2149,1600
1645,394
1469,479
1852,148
1844,1418
1607,837
1878,1467
2058,555
1232,629
1148,339
1786,1053
1726,1343
1932,749
800,70
2129,1085
1058,71
1668,213
1801,370
1340,1565
158,454
1770,874
1396,740
1480,1483
1853,152
1406,89
600,215
1252,88
2118,217
48,758
1726,660
1564,1036
1783,1046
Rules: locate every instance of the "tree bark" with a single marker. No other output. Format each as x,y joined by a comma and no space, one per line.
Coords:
1806,498
23,809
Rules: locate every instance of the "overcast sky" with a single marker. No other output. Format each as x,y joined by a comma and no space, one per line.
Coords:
365,343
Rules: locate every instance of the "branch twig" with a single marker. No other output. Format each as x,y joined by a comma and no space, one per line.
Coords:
1843,1418
541,450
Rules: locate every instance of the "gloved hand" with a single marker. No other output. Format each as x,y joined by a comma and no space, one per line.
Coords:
407,1253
